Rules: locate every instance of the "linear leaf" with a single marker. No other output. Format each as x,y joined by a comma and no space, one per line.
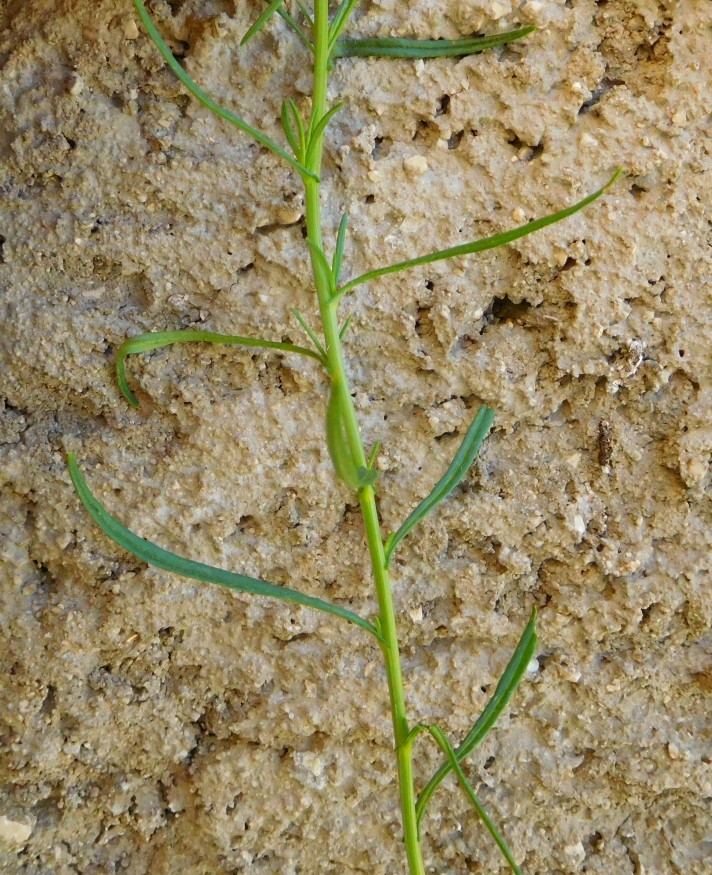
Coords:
459,466
345,327
337,444
486,243
397,47
261,21
338,22
160,558
508,683
207,101
289,131
322,266
311,335
305,12
282,12
319,127
339,249
157,339
294,109
446,748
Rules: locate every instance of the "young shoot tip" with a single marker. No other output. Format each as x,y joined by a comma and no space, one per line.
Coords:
618,172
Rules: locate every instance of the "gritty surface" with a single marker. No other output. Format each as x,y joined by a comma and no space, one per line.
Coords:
156,725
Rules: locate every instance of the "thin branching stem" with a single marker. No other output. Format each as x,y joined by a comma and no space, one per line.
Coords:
343,435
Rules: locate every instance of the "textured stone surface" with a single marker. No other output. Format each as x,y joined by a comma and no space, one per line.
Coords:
153,725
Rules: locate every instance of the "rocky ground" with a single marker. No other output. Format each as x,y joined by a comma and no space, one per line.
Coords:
156,725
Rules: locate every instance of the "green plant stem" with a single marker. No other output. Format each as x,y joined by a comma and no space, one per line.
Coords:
328,308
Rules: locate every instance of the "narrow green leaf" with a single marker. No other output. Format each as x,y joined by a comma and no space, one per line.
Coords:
338,22
312,336
336,443
289,131
261,21
294,109
486,243
282,12
459,466
316,134
305,12
446,748
157,339
322,266
160,558
508,683
374,453
345,327
397,47
208,102
339,249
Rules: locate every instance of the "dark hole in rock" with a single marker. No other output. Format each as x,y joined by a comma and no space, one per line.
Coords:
455,139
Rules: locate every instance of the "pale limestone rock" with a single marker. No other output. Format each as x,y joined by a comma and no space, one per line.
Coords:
13,832
151,720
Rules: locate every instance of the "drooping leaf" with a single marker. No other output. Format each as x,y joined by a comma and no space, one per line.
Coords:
160,558
157,339
459,466
261,21
446,748
481,245
207,101
508,683
398,47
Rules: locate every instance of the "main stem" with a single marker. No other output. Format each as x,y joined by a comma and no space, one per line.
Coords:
367,499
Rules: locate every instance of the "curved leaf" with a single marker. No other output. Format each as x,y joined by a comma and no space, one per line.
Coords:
459,466
397,47
492,242
508,683
262,20
160,558
157,339
446,748
289,131
207,101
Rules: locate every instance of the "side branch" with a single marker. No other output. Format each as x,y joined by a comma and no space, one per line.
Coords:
158,339
160,558
207,101
481,245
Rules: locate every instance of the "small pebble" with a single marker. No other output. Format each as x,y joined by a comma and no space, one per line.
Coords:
76,84
416,165
131,29
12,832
